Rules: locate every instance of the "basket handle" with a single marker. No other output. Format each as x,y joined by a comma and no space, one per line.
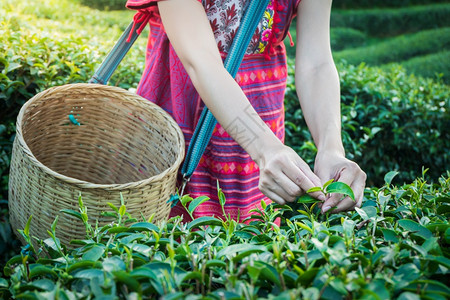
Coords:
118,52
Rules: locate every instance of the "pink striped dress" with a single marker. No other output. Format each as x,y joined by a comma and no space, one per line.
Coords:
262,77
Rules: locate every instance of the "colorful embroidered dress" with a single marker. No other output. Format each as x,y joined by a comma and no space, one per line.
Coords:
262,77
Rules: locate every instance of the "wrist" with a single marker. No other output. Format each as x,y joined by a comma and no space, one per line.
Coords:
333,149
263,147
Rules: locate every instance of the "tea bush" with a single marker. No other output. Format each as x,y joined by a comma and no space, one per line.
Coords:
391,121
105,4
349,4
37,53
395,246
430,65
399,48
342,38
392,22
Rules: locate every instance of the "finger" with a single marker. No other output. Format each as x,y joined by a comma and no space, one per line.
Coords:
290,191
274,197
346,204
304,178
359,186
280,185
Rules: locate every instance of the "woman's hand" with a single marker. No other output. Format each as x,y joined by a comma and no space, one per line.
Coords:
336,166
284,175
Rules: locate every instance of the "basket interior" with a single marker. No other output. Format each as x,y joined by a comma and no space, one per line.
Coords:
119,140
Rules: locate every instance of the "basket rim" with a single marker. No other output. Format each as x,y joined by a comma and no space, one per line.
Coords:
86,184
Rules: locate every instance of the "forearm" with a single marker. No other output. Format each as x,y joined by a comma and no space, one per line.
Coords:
228,103
319,94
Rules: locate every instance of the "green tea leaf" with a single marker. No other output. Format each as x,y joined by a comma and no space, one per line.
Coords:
338,286
408,296
80,201
268,272
326,184
94,253
43,284
54,224
340,188
415,228
3,283
307,199
186,199
73,213
122,210
144,226
204,221
113,207
389,176
371,211
308,276
40,270
314,189
216,263
304,226
247,249
119,229
26,230
84,264
389,235
128,280
362,213
263,204
196,202
254,272
89,274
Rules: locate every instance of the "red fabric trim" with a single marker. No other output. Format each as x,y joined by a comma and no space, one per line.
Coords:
142,4
142,17
269,50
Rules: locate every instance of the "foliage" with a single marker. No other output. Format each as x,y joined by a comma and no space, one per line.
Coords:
37,53
396,245
430,65
391,22
349,4
105,4
391,121
342,38
399,48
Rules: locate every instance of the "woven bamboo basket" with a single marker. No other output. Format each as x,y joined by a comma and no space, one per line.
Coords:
115,142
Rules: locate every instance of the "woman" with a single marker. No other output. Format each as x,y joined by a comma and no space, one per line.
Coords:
189,40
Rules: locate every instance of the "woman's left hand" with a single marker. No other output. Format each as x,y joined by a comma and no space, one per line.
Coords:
336,166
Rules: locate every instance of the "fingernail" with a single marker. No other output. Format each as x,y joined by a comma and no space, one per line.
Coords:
322,197
326,208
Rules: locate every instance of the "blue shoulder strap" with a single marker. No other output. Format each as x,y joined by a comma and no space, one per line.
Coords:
205,126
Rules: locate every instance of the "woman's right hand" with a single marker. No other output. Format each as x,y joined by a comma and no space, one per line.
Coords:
284,175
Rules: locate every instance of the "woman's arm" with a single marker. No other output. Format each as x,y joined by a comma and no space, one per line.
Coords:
283,174
318,89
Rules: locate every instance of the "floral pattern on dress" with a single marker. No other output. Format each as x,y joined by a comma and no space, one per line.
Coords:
224,18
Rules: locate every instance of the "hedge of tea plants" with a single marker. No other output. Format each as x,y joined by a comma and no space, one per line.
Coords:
395,246
381,34
352,4
386,22
400,48
105,4
391,121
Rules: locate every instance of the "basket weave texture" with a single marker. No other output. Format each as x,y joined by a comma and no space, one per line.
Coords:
123,144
